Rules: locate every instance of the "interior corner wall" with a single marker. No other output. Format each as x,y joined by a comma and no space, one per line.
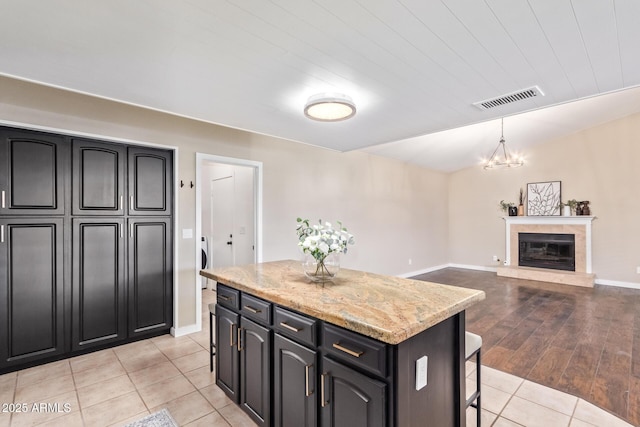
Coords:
395,210
600,164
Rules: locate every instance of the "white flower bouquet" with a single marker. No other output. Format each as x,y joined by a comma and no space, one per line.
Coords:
319,241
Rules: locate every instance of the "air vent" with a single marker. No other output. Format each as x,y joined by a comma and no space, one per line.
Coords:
509,98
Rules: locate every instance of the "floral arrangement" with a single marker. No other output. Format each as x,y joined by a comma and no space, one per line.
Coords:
320,240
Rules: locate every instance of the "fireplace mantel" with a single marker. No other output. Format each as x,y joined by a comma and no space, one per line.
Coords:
578,225
574,219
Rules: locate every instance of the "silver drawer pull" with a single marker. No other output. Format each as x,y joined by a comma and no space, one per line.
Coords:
353,353
121,202
289,327
224,298
306,381
253,310
1,233
131,203
323,400
3,205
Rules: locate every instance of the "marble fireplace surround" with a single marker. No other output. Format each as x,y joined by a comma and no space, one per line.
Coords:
580,226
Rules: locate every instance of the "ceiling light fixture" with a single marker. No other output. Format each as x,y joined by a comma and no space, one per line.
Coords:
329,107
507,160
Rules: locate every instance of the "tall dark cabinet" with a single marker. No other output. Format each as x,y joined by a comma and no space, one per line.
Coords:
86,248
31,289
150,275
98,284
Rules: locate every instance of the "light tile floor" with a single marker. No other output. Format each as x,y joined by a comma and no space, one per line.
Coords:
509,401
116,386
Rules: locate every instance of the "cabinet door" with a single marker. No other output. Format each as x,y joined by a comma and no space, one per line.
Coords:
255,371
98,178
350,399
150,180
99,306
150,282
227,355
32,170
31,290
294,384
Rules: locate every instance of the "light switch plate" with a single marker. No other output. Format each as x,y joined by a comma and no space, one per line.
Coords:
421,372
187,233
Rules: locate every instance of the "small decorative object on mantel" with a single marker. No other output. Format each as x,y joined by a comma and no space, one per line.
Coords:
508,208
569,207
322,245
521,203
543,198
583,208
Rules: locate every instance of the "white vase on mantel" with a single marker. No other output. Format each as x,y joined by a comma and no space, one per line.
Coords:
566,211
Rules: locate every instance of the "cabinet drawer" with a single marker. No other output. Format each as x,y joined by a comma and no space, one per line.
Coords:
356,349
228,297
297,326
255,308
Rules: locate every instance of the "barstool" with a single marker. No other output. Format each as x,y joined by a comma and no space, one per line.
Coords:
212,346
473,344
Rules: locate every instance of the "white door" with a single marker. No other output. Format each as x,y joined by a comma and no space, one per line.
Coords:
222,203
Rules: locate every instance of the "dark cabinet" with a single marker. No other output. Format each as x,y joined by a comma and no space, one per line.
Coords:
244,352
150,275
98,178
255,371
330,376
294,384
99,311
78,271
32,172
349,398
31,289
227,355
149,181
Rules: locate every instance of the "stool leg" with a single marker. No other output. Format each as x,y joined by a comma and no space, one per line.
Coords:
478,386
211,353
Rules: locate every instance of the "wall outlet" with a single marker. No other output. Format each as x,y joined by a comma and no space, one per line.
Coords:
410,262
495,258
421,372
638,270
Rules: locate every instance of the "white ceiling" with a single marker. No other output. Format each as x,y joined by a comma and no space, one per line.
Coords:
413,67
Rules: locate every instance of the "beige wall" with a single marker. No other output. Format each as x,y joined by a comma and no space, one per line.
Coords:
601,164
396,211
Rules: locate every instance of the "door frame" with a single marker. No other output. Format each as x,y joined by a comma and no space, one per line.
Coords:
201,159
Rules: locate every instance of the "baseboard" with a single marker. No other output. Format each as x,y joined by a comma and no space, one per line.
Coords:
605,282
423,271
185,330
473,267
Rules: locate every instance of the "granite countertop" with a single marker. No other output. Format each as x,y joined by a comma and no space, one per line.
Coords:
387,308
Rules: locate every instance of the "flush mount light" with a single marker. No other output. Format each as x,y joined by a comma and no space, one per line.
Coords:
329,107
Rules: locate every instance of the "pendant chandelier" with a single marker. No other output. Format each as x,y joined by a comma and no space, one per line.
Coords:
501,157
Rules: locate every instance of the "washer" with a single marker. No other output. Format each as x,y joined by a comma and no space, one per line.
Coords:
205,258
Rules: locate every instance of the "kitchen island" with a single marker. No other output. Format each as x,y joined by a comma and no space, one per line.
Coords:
361,350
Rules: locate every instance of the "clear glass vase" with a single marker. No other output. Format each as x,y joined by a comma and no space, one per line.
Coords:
323,270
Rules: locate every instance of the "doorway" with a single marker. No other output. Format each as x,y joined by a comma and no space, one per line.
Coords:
228,216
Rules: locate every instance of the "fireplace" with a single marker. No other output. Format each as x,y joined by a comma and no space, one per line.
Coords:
547,250
579,274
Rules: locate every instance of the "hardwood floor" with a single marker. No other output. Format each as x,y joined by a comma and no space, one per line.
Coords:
583,341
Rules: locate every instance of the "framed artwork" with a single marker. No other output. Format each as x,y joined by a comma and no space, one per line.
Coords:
543,198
